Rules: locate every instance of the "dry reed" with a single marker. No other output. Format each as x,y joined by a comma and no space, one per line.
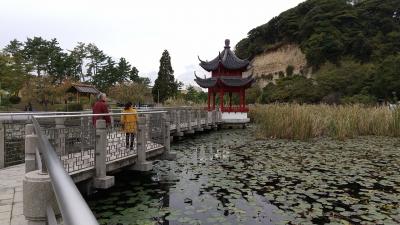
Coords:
302,122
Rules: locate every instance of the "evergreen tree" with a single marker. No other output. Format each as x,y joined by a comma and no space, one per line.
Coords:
106,76
97,59
123,70
77,57
165,85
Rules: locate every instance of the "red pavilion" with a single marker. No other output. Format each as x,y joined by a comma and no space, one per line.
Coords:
226,78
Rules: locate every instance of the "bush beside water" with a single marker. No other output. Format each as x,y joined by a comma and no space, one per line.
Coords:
302,122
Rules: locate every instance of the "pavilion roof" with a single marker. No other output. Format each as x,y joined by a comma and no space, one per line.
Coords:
227,81
83,88
227,58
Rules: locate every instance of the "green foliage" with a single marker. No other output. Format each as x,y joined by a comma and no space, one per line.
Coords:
131,92
74,107
360,99
290,89
289,70
327,30
85,63
348,82
253,94
386,82
165,86
12,74
348,79
195,96
14,99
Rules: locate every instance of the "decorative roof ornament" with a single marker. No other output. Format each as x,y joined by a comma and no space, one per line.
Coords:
227,58
227,43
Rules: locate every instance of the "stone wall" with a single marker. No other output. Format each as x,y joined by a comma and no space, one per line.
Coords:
272,64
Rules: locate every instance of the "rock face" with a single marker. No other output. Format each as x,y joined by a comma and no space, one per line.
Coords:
272,64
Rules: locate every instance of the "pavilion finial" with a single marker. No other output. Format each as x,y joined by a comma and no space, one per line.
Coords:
227,43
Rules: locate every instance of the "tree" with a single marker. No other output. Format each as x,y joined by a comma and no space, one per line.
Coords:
165,86
131,92
386,83
106,75
76,58
96,58
36,53
123,70
12,76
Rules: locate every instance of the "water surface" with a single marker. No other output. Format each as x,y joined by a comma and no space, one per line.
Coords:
228,177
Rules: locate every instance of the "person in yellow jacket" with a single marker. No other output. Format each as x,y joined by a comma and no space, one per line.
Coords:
129,124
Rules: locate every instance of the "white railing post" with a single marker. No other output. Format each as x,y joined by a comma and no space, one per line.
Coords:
101,180
142,134
214,115
37,189
189,121
178,123
199,128
207,126
168,155
2,145
31,149
60,142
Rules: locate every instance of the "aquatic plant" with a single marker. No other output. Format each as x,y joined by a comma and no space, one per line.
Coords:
302,122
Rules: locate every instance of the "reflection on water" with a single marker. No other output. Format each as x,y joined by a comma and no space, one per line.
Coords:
227,177
200,187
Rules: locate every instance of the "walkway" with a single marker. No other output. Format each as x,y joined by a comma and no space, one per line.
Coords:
11,206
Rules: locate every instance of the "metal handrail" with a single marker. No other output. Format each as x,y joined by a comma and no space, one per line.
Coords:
100,114
73,207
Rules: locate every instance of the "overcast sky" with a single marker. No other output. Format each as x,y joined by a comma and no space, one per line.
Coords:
141,30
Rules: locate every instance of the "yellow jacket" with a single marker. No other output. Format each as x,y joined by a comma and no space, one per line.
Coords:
129,121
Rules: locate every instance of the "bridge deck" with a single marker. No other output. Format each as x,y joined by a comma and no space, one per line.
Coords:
11,204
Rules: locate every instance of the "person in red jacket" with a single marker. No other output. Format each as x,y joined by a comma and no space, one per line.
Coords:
100,107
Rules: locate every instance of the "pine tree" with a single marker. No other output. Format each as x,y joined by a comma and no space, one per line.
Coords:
165,86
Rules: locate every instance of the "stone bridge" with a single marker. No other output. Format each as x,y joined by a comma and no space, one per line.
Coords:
61,150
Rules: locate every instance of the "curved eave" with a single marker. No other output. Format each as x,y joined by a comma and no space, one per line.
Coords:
245,82
206,83
228,60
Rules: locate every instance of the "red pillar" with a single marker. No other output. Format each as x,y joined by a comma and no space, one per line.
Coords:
241,99
244,100
209,99
213,107
221,100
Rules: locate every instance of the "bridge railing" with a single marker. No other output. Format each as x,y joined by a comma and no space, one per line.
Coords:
80,130
74,143
12,134
50,189
74,137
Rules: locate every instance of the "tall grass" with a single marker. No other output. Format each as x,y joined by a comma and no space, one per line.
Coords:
294,121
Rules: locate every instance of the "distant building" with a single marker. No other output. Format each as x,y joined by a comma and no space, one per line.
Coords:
227,78
83,90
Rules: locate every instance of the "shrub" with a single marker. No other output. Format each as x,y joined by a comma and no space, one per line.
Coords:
72,107
14,99
360,99
289,70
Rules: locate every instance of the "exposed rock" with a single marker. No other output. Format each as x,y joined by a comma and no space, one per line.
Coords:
272,64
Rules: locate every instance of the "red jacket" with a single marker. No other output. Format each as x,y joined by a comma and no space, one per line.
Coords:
100,107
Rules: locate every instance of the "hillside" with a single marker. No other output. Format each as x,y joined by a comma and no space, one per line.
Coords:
328,30
273,64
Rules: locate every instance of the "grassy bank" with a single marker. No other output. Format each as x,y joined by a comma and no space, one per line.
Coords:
294,121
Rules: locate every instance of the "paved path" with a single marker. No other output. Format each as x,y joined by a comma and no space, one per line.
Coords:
11,212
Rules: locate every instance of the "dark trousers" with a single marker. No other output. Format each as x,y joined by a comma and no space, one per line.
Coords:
130,137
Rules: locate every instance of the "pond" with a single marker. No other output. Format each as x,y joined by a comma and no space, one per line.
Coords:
229,177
